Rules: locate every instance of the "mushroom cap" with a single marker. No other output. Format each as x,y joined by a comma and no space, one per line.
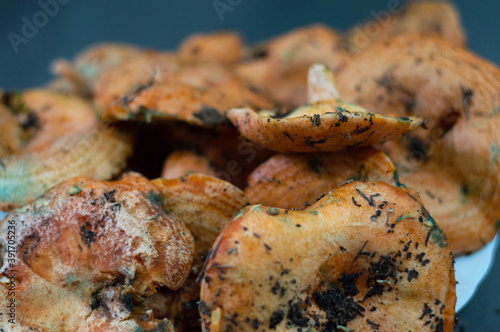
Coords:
164,86
80,75
183,162
206,205
457,211
94,250
54,137
320,127
456,92
325,124
438,18
223,46
283,62
299,180
338,264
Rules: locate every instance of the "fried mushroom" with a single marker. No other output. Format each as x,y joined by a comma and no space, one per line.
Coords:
89,252
299,180
325,124
51,138
367,256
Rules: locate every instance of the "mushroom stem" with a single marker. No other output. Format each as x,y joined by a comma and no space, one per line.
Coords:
320,84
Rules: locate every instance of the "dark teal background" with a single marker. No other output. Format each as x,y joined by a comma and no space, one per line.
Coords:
163,24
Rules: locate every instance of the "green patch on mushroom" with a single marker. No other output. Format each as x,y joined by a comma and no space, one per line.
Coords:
74,190
494,152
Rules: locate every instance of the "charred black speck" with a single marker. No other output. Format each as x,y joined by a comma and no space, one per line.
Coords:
360,130
127,302
374,325
361,252
310,143
412,274
368,199
384,269
342,117
287,135
348,284
427,311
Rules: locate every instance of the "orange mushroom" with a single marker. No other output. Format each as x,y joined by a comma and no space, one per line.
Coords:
164,86
456,92
439,18
280,64
299,180
89,252
50,138
206,205
368,256
325,124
